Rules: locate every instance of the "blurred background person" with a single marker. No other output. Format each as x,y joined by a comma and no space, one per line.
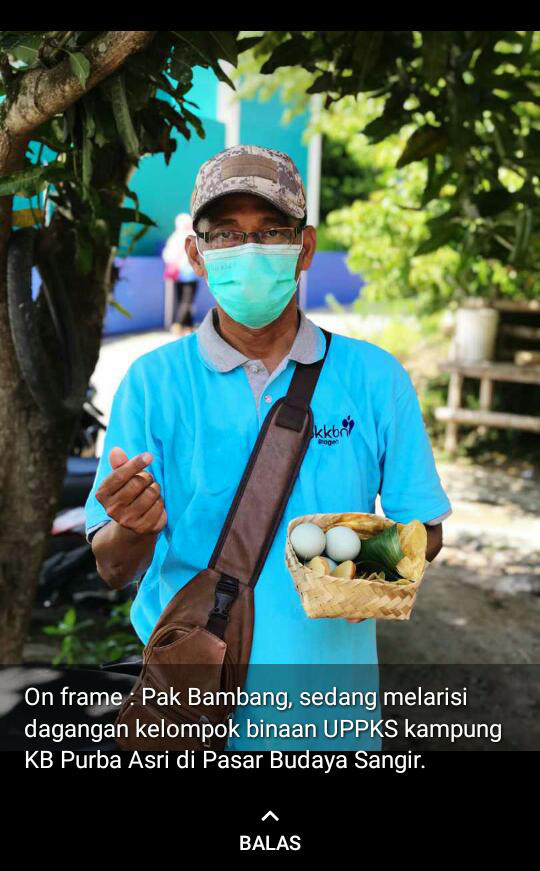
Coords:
180,279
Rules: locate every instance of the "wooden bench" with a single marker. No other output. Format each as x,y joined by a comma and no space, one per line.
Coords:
518,332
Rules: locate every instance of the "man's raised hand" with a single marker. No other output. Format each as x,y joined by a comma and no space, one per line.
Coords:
130,496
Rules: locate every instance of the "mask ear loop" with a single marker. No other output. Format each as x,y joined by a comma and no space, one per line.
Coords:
299,279
300,254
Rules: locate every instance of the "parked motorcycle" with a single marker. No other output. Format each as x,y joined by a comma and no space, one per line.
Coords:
68,574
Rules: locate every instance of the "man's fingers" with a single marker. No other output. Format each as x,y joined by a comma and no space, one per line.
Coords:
113,482
117,457
147,521
126,496
162,522
129,509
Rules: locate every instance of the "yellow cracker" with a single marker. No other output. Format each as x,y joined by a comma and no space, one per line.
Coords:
413,538
413,541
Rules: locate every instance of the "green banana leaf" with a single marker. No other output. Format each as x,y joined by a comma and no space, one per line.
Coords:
382,552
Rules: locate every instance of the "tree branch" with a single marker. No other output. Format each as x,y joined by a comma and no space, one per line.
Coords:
42,93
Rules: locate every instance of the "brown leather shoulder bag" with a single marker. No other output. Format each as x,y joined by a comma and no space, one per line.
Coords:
203,638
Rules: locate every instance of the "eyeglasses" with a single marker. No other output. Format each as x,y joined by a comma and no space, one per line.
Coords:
232,238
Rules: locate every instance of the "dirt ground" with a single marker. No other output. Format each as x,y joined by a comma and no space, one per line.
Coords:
456,621
480,599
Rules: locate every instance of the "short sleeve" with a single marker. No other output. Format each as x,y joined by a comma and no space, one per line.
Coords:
91,530
128,428
410,485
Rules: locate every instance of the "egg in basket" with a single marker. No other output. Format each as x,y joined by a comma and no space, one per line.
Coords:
356,565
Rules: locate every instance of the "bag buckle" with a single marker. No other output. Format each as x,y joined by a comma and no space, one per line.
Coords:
206,742
226,594
292,414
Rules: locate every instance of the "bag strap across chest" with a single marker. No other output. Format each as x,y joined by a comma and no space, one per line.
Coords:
267,482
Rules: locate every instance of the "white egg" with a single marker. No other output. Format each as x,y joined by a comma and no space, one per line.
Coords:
308,540
332,563
342,543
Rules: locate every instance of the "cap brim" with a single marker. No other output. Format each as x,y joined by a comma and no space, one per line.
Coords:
245,190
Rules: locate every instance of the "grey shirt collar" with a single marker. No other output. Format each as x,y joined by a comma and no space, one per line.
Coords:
307,347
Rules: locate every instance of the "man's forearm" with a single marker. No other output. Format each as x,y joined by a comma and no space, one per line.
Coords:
121,554
434,540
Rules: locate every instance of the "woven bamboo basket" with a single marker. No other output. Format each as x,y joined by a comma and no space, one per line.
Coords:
330,596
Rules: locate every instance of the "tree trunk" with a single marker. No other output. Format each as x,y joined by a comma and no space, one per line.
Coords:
34,450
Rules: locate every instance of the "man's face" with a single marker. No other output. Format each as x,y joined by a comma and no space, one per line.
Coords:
250,214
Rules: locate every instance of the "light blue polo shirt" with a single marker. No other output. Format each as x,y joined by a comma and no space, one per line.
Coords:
200,419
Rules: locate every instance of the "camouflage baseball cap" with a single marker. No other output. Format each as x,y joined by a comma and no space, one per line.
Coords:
250,169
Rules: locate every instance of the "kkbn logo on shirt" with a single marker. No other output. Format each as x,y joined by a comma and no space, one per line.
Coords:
331,434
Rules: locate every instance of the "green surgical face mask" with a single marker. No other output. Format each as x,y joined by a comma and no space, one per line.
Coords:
253,283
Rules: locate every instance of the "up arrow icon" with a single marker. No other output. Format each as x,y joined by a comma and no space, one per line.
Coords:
269,814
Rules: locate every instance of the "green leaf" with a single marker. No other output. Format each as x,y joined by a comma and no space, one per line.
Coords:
222,76
123,311
180,71
80,66
70,617
211,45
26,49
434,183
423,142
28,182
247,42
382,550
122,116
322,83
194,121
51,133
367,50
176,119
378,129
136,238
437,240
291,52
122,215
226,42
84,624
86,160
131,195
104,119
523,234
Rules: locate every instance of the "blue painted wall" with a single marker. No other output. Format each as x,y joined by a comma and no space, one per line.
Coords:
260,124
329,273
204,93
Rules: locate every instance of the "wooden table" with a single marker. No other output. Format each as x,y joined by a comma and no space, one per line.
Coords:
487,373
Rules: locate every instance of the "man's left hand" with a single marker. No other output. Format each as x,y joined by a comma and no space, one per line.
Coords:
434,544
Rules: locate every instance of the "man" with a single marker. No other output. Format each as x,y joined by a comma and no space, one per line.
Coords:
186,416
